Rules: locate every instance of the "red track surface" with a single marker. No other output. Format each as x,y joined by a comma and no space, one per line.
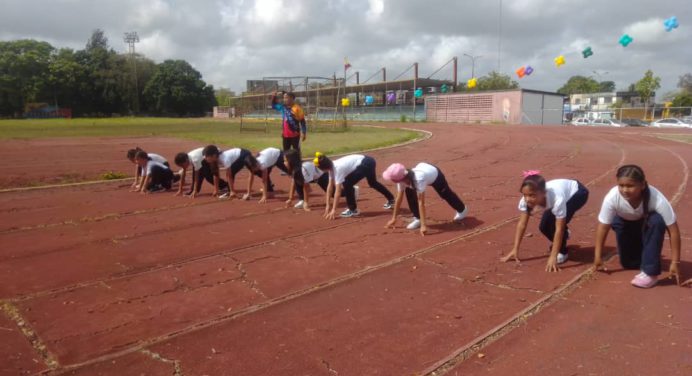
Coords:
103,281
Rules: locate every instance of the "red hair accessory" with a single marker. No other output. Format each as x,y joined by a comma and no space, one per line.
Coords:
531,172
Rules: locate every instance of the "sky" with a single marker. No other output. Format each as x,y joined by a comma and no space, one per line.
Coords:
232,41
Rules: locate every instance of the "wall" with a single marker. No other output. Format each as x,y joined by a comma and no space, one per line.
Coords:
485,107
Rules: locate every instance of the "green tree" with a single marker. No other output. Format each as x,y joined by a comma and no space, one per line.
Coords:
685,82
177,88
492,81
579,85
606,86
646,87
223,96
683,99
24,67
65,75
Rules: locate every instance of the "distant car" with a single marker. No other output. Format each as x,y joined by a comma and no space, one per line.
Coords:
635,122
670,122
580,121
687,119
608,122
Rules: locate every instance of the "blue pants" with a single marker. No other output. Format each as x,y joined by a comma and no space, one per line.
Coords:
576,202
640,245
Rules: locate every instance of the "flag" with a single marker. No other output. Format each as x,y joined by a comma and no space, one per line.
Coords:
346,64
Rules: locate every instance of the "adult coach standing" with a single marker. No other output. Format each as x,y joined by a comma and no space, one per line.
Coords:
293,120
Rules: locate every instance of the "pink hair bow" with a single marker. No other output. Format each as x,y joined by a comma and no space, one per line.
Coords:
531,172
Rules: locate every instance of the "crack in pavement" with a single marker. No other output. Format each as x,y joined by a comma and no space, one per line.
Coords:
177,367
252,284
39,347
329,367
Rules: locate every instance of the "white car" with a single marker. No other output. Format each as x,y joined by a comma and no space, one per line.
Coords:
580,121
670,122
608,122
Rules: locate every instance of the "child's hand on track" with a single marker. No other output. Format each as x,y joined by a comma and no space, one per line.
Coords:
306,207
674,272
263,200
511,255
288,203
599,266
551,265
391,224
246,196
423,230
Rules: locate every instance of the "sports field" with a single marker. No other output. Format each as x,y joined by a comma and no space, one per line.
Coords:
95,280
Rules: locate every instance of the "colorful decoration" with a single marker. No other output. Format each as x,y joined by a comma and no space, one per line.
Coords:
587,52
472,83
345,102
528,70
418,93
369,99
521,72
391,97
444,88
671,23
560,60
625,40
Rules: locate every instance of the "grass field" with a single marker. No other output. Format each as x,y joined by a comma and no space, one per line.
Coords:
207,131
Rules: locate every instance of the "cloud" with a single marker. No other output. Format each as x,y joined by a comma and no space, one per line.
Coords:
231,41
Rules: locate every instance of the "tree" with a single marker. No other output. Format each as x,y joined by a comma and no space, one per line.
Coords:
24,67
223,96
580,85
683,99
494,81
606,86
64,77
646,87
176,87
685,82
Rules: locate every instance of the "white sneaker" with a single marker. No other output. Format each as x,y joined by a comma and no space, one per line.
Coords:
356,191
561,258
388,204
414,224
224,196
461,215
350,213
299,204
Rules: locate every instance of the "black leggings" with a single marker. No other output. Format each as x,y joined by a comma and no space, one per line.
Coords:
205,173
291,142
442,188
160,176
280,165
367,170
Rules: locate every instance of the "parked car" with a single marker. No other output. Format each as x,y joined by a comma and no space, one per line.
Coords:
670,122
635,122
580,121
687,119
608,122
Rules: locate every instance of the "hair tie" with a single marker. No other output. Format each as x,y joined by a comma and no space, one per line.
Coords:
316,161
531,173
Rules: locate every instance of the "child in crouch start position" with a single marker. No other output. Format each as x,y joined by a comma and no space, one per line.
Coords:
560,198
640,215
414,182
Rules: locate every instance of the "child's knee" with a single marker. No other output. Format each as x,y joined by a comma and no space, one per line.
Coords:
655,220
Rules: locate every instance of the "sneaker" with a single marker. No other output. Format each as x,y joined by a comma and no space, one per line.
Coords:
356,191
414,224
644,280
224,196
388,204
156,188
350,213
561,258
461,215
299,204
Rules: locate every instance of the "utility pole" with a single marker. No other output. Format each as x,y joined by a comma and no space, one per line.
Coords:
499,39
473,63
131,38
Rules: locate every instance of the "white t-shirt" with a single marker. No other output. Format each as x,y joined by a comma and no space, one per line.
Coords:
424,174
558,192
157,158
196,157
151,164
614,204
311,172
268,157
344,166
228,157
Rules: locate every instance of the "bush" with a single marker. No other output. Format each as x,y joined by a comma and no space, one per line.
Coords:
111,175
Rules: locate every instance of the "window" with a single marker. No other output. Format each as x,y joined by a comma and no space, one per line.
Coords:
608,100
577,101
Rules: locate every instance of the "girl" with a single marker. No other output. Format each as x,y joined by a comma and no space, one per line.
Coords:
232,160
415,181
640,215
201,170
560,198
131,154
156,175
262,166
302,177
344,173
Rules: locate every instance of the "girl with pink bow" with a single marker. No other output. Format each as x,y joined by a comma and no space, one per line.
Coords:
560,200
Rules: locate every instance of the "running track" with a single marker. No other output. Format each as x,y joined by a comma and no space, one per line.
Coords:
97,280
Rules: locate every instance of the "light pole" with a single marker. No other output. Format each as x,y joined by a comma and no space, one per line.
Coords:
473,63
131,38
499,39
